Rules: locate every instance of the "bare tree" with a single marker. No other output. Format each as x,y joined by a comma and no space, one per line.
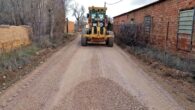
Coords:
46,17
67,6
78,13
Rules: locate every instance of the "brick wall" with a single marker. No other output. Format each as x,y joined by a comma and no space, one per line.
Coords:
162,34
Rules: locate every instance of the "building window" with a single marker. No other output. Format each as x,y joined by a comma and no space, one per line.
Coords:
186,22
122,22
132,21
147,24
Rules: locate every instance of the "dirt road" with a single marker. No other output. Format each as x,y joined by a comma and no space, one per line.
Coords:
88,78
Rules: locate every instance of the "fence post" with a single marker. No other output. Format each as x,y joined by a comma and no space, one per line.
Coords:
165,44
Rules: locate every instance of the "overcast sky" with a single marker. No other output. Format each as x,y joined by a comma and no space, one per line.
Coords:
113,10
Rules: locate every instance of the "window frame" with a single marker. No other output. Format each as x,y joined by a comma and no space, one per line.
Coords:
190,33
186,21
147,27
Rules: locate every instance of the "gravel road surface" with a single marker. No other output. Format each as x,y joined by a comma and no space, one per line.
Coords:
95,77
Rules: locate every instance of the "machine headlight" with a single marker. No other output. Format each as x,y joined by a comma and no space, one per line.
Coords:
101,24
94,24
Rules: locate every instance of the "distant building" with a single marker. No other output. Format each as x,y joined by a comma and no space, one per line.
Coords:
69,27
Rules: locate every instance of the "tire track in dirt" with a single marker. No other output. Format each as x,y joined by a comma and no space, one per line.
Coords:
96,70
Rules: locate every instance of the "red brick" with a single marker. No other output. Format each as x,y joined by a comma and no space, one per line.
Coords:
162,13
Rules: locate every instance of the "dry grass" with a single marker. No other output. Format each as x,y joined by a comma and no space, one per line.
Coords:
18,63
17,58
168,59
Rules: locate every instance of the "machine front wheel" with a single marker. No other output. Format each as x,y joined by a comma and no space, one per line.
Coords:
83,41
110,42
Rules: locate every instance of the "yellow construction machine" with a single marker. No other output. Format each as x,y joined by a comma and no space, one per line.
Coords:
97,28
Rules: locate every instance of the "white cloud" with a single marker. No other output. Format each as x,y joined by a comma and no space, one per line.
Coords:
113,10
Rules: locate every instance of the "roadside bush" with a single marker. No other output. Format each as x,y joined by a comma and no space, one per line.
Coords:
44,42
17,58
167,59
137,40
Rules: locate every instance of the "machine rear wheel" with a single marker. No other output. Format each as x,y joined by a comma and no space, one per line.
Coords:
84,41
110,42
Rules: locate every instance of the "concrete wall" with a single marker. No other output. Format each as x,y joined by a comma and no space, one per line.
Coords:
161,33
12,37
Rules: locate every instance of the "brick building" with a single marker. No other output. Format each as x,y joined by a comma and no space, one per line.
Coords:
70,27
169,22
